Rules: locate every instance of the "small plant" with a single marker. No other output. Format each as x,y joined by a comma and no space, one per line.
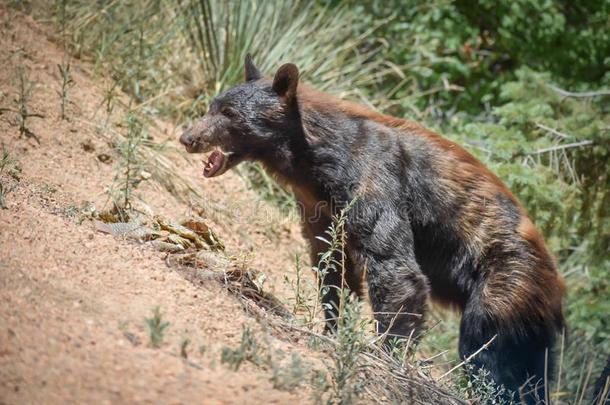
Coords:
478,386
320,385
351,339
248,350
345,385
344,379
301,293
127,177
111,94
5,162
67,82
65,73
333,259
156,328
183,348
286,377
49,189
22,112
299,298
285,374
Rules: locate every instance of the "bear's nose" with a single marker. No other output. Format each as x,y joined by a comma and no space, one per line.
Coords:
187,138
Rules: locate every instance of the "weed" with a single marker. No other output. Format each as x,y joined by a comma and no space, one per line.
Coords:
70,211
64,67
133,339
321,386
183,348
286,378
127,177
333,259
283,376
248,350
5,163
66,83
345,385
156,328
6,160
314,342
301,297
111,94
351,339
22,112
49,189
477,385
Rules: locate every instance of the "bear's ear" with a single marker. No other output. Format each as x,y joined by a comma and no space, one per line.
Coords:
251,71
286,80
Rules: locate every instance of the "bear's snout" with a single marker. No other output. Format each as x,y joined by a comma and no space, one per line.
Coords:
187,139
191,141
197,138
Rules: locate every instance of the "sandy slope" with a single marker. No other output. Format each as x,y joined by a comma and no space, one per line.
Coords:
73,301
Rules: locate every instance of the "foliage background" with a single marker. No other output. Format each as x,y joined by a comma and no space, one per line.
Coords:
524,85
490,75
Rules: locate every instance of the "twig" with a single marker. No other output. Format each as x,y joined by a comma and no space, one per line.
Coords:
469,358
382,337
553,131
562,147
396,313
584,94
429,359
582,394
546,376
407,349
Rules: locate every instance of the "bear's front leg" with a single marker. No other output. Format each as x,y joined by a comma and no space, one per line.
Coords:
398,292
398,289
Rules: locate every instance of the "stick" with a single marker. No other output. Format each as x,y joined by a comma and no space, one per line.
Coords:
553,131
583,94
469,358
562,147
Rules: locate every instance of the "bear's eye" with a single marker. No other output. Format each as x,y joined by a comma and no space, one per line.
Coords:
228,112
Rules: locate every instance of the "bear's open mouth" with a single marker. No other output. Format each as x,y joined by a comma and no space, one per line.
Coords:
216,164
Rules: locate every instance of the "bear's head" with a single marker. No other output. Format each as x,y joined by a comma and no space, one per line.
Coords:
251,121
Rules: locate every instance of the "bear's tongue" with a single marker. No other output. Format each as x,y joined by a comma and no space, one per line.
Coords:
216,162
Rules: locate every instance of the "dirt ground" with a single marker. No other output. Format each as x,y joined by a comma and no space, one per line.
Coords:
73,301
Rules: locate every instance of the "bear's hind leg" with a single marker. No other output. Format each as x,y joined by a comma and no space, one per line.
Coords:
513,359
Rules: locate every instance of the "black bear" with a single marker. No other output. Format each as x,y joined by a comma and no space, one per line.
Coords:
431,220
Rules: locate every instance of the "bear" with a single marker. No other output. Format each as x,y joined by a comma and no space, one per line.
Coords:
430,221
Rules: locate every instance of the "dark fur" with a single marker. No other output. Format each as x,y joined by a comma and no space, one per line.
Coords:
602,383
430,220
